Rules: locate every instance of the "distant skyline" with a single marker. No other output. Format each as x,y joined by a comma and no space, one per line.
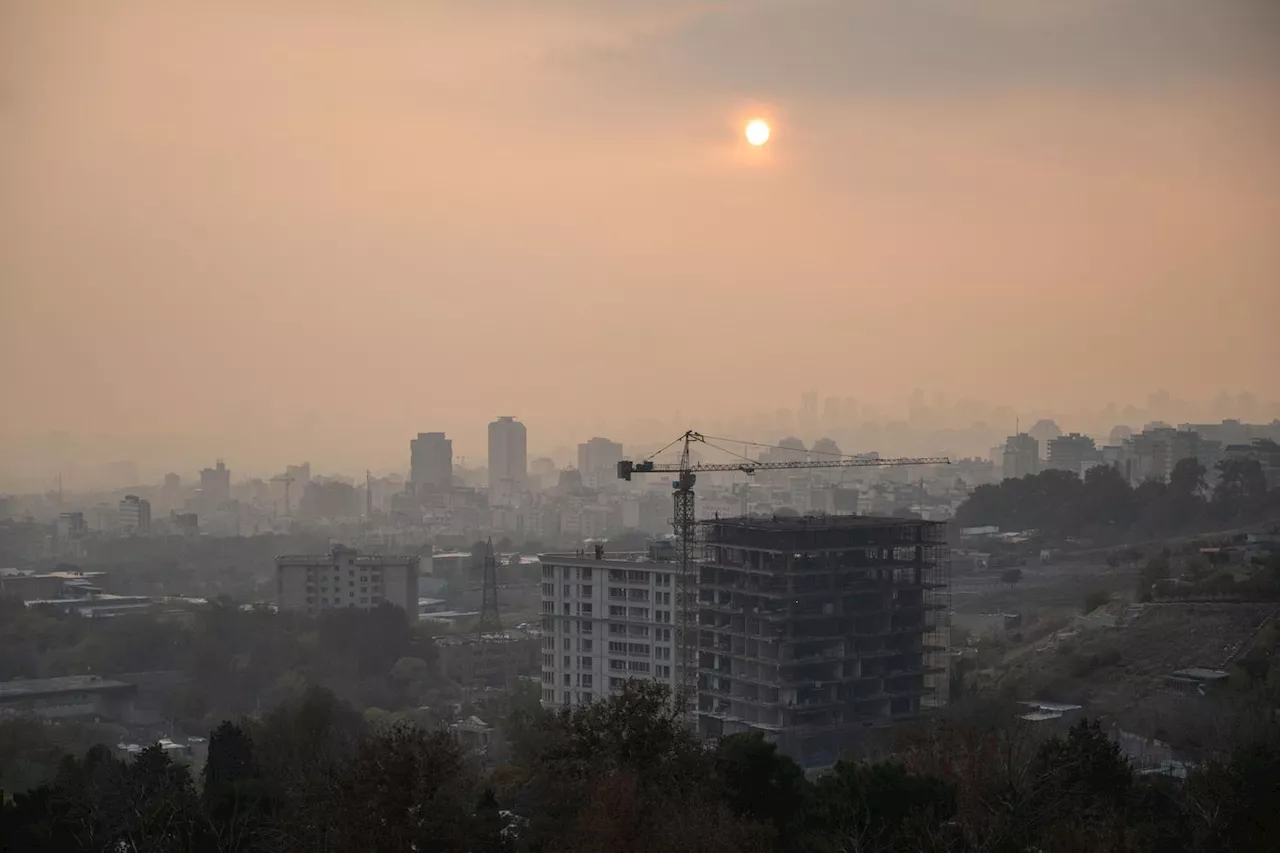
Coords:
32,462
304,230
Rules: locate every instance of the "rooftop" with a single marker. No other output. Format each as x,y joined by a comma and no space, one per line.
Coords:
26,688
814,522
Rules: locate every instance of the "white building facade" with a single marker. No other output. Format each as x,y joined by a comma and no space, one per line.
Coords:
605,620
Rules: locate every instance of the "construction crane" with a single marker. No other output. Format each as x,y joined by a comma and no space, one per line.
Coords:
684,521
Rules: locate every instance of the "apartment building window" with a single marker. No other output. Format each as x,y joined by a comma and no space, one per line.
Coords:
617,664
548,573
617,629
584,609
568,680
587,696
548,678
568,644
638,666
616,610
617,575
548,624
665,632
584,573
637,595
618,647
548,607
549,589
548,696
568,591
618,593
549,661
637,577
568,696
638,613
664,672
585,590
639,631
586,627
585,663
584,645
586,679
568,661
568,609
549,643
567,573
662,616
662,653
637,648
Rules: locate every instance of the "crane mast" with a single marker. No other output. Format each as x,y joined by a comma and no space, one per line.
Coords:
684,525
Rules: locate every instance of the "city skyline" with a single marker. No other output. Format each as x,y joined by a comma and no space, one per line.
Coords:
928,426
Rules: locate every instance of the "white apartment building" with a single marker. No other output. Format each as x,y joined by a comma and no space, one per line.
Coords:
135,515
605,620
343,578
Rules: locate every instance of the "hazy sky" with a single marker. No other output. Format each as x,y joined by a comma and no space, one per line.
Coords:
336,223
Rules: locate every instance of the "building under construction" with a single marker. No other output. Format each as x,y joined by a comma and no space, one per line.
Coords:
814,629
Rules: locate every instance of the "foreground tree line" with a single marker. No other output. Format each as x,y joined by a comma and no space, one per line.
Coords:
1105,508
623,775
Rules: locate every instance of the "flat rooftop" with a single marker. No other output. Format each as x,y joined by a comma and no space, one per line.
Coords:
31,688
789,523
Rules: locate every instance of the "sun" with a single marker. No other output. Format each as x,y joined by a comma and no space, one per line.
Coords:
757,132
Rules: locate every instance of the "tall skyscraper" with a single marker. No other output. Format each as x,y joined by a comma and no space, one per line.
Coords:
508,457
431,461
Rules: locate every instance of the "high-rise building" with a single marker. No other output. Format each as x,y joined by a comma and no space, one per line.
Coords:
135,515
508,458
811,629
1153,453
343,578
598,461
215,485
431,461
1072,452
1021,457
299,476
605,620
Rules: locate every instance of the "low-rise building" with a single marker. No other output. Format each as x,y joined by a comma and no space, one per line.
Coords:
489,660
345,578
70,696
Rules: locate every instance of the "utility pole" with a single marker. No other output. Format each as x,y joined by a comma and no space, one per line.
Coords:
490,622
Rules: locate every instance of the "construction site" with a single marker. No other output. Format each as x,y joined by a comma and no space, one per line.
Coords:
814,629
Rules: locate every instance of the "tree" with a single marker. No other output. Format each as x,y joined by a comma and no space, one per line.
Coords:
1011,577
1080,790
1095,598
1242,489
622,774
405,789
1187,478
760,783
238,801
879,807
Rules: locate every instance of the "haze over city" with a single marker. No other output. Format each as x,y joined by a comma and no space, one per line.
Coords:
298,229
670,426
